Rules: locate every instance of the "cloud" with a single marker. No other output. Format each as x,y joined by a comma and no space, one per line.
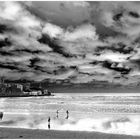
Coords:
34,49
121,16
19,15
80,3
52,30
7,7
85,31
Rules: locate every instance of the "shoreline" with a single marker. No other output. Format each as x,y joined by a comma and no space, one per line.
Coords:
74,94
17,133
97,93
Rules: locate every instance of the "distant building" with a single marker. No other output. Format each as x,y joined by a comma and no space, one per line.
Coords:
20,87
16,89
2,80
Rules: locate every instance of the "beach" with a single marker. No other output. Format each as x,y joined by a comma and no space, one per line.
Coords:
16,133
69,69
90,116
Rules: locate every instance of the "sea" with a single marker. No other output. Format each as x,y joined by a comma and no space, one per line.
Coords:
107,113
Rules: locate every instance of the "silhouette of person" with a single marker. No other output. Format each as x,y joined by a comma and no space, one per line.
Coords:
49,120
57,112
1,115
67,112
49,126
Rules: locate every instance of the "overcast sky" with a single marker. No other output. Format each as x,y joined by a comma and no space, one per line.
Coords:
71,42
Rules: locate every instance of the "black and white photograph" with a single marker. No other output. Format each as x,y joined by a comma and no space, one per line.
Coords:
69,69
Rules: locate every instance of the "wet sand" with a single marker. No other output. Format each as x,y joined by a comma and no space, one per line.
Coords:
18,133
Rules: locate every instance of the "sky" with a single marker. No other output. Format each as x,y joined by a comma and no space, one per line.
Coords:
71,42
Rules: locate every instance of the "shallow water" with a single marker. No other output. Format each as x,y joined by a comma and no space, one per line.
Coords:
108,114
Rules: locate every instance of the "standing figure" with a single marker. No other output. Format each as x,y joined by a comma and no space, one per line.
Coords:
49,120
67,112
57,112
1,115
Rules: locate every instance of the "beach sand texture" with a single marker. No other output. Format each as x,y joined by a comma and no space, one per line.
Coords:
16,133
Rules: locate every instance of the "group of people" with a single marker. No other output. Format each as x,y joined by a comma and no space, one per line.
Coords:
57,115
67,112
49,119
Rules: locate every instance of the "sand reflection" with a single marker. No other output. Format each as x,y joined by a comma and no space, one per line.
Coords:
120,124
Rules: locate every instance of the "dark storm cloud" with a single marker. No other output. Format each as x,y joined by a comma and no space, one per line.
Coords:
45,39
3,28
5,42
134,14
113,66
118,47
104,48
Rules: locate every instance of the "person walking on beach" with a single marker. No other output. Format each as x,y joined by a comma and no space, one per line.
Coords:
67,112
49,120
1,115
57,112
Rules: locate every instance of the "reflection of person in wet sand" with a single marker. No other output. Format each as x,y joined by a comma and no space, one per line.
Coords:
49,120
57,113
1,115
67,112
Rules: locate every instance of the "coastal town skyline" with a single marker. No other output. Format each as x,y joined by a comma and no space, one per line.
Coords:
69,45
